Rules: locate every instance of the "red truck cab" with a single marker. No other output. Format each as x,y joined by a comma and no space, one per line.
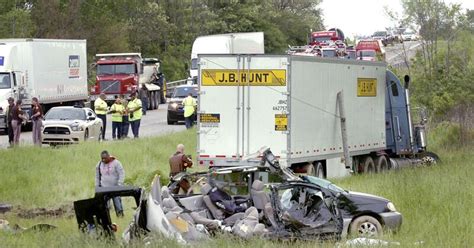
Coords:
323,38
365,48
117,74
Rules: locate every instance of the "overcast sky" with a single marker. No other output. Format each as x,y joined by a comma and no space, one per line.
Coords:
364,17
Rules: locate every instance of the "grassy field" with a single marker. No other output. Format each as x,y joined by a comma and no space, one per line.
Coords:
436,202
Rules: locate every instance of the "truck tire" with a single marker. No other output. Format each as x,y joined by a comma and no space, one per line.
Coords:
368,165
429,158
315,169
381,164
155,99
150,101
366,226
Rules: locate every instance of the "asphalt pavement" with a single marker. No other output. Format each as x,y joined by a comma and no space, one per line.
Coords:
152,124
395,55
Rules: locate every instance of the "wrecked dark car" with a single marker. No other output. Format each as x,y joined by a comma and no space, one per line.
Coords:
195,206
363,214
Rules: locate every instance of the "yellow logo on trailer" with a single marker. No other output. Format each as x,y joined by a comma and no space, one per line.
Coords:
366,87
217,77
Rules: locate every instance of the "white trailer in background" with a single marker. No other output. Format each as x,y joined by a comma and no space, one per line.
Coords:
54,71
290,104
232,43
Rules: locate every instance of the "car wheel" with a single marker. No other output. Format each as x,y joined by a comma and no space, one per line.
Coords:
368,165
86,134
366,226
169,121
381,164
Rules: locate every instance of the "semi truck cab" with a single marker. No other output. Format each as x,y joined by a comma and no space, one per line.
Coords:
117,74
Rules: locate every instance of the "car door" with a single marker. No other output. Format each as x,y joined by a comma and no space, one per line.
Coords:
306,211
93,125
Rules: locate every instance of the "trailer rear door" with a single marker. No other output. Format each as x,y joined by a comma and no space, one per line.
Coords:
242,106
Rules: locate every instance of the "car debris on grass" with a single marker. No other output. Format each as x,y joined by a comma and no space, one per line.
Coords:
236,200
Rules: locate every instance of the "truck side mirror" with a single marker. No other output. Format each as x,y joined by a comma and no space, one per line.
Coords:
407,81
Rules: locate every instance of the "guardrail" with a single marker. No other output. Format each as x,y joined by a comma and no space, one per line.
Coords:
173,84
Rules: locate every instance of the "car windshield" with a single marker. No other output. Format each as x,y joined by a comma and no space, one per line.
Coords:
65,114
324,183
5,81
329,53
366,53
381,33
321,39
115,69
182,92
408,33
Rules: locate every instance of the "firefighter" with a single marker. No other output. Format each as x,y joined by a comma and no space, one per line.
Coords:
189,104
117,111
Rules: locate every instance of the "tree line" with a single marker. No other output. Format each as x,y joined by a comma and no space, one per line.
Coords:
159,28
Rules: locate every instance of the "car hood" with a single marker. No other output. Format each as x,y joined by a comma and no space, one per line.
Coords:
61,122
176,99
364,198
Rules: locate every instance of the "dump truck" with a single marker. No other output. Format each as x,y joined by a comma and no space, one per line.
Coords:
322,116
124,73
54,71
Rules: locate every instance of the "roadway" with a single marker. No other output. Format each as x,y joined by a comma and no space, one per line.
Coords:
152,124
395,55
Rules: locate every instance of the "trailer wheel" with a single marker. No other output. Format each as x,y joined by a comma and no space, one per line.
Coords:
381,164
315,169
368,165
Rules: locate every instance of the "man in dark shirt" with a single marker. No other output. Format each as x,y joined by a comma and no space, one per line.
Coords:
179,162
11,104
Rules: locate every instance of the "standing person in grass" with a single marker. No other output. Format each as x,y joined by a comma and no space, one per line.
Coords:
17,120
179,162
37,120
135,113
9,114
117,110
109,173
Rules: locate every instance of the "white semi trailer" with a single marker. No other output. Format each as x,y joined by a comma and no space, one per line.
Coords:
321,116
54,71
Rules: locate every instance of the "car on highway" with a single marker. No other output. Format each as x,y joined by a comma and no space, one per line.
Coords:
175,104
383,36
410,36
70,125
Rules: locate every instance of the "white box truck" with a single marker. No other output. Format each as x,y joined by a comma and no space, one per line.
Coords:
54,71
321,116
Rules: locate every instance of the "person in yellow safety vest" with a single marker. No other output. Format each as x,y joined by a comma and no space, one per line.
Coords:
100,108
117,111
189,104
135,113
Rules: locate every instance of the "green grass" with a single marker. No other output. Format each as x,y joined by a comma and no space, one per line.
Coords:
436,202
